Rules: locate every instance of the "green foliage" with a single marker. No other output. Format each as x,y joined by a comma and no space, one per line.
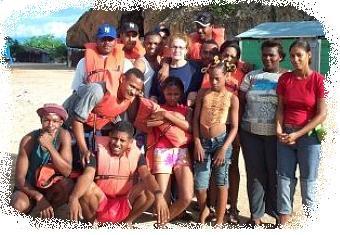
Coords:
220,8
54,46
14,46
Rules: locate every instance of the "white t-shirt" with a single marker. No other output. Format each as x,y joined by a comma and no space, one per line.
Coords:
79,76
148,75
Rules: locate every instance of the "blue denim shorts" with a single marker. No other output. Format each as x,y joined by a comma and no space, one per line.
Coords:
203,170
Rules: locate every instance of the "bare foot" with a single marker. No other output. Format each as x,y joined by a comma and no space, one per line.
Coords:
284,219
204,215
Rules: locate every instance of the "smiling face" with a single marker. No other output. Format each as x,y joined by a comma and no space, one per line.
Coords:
152,44
230,55
50,123
178,49
130,87
105,45
300,58
271,58
204,33
120,143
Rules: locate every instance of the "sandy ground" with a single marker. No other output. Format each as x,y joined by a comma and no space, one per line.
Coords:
32,85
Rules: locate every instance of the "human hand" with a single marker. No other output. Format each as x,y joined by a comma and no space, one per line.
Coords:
152,123
45,209
163,73
45,140
75,212
219,157
85,155
198,151
161,209
158,116
291,138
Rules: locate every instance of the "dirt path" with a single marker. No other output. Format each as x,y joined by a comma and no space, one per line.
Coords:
35,84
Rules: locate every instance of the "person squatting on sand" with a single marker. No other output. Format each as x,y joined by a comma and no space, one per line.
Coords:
50,147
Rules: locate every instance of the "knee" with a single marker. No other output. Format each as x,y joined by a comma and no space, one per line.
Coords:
20,205
149,197
96,91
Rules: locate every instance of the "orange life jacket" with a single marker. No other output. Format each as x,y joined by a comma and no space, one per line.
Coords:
109,70
137,52
195,43
115,175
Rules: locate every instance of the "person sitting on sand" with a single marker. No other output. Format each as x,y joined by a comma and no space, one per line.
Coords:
48,146
107,190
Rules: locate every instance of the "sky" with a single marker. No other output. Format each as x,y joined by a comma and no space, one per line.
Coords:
56,24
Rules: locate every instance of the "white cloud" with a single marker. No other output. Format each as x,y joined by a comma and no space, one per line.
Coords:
58,29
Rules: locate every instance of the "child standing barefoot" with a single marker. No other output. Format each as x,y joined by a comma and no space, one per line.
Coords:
167,158
214,106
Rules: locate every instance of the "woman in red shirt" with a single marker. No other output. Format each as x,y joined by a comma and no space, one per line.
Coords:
301,107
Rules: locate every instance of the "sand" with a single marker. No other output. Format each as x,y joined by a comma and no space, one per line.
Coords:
32,85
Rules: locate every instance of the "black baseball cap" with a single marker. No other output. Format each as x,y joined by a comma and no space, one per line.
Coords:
204,19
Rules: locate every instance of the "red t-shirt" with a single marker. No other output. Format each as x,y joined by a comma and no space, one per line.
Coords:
300,97
163,142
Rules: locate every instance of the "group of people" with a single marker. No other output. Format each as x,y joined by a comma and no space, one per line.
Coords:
159,121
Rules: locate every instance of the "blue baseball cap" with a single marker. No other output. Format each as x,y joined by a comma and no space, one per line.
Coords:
106,30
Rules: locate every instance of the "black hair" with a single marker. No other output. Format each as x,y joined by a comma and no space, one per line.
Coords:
123,126
135,72
301,43
151,33
274,43
172,81
233,44
210,41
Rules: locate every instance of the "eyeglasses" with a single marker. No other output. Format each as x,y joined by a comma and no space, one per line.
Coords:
174,48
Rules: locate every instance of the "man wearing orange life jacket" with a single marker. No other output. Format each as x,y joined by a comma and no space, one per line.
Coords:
97,101
205,31
107,191
129,40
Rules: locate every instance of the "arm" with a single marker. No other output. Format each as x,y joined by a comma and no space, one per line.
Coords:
281,136
233,112
320,116
198,150
169,116
62,158
21,169
79,75
139,64
81,187
242,100
78,131
151,184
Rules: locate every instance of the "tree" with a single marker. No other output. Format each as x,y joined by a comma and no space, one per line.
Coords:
54,46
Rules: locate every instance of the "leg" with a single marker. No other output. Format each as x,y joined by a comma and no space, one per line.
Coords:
185,186
164,182
90,202
58,193
308,159
201,183
253,148
271,169
21,202
140,200
221,174
234,175
286,167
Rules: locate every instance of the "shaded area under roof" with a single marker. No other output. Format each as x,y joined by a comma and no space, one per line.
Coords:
285,30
